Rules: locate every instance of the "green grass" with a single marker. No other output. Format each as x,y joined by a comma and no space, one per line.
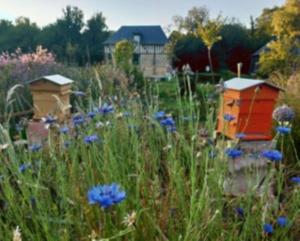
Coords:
171,180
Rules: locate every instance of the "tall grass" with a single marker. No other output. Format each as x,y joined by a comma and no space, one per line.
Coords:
174,181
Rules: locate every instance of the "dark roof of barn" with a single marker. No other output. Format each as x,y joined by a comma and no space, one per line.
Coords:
149,35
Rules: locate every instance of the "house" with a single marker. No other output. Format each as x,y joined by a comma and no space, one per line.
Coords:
256,55
149,53
255,58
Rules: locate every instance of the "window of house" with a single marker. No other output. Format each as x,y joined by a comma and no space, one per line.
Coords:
136,59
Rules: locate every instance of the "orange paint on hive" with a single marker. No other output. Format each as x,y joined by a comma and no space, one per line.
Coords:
251,103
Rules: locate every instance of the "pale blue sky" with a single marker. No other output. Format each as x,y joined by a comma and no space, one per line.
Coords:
132,12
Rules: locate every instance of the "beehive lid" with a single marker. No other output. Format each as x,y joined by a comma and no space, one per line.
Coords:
56,79
242,84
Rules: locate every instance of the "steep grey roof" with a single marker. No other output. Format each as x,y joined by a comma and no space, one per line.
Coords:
56,79
149,35
242,83
263,49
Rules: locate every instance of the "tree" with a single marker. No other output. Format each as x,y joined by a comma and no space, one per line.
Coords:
236,46
22,35
95,34
282,54
286,20
123,55
210,34
195,16
64,37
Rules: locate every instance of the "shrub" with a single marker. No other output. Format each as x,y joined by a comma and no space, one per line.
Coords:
18,68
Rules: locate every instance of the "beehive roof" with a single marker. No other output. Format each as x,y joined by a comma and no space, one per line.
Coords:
56,79
242,84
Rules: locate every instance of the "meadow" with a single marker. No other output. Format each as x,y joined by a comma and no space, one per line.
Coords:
139,167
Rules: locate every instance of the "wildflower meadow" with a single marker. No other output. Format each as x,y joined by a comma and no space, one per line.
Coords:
123,168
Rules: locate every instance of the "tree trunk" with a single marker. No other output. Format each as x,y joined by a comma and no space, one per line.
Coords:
211,65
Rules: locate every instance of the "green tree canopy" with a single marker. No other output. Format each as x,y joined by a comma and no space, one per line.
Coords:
94,35
209,32
282,54
123,55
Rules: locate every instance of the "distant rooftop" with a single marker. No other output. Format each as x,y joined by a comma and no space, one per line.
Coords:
56,79
242,83
149,35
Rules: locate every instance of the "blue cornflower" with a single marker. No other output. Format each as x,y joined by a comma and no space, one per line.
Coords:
272,155
229,117
35,147
91,114
169,121
159,115
240,212
240,135
106,109
106,195
90,139
23,167
282,221
295,180
64,130
283,130
78,119
78,93
233,153
49,119
268,228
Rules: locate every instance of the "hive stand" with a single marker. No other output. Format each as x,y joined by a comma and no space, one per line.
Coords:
249,172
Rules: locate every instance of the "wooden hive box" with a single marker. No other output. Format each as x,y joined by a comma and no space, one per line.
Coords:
51,96
251,103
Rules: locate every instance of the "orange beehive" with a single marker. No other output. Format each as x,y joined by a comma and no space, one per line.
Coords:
250,103
51,96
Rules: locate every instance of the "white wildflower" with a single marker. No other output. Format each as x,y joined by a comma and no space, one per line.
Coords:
130,219
17,234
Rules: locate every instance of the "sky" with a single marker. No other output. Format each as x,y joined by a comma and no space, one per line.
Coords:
132,12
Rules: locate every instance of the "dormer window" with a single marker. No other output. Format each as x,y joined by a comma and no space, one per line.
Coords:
137,38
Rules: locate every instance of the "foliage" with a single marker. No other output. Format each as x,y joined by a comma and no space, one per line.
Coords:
263,25
69,37
283,53
94,36
209,32
123,54
279,57
237,44
19,68
190,23
286,20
